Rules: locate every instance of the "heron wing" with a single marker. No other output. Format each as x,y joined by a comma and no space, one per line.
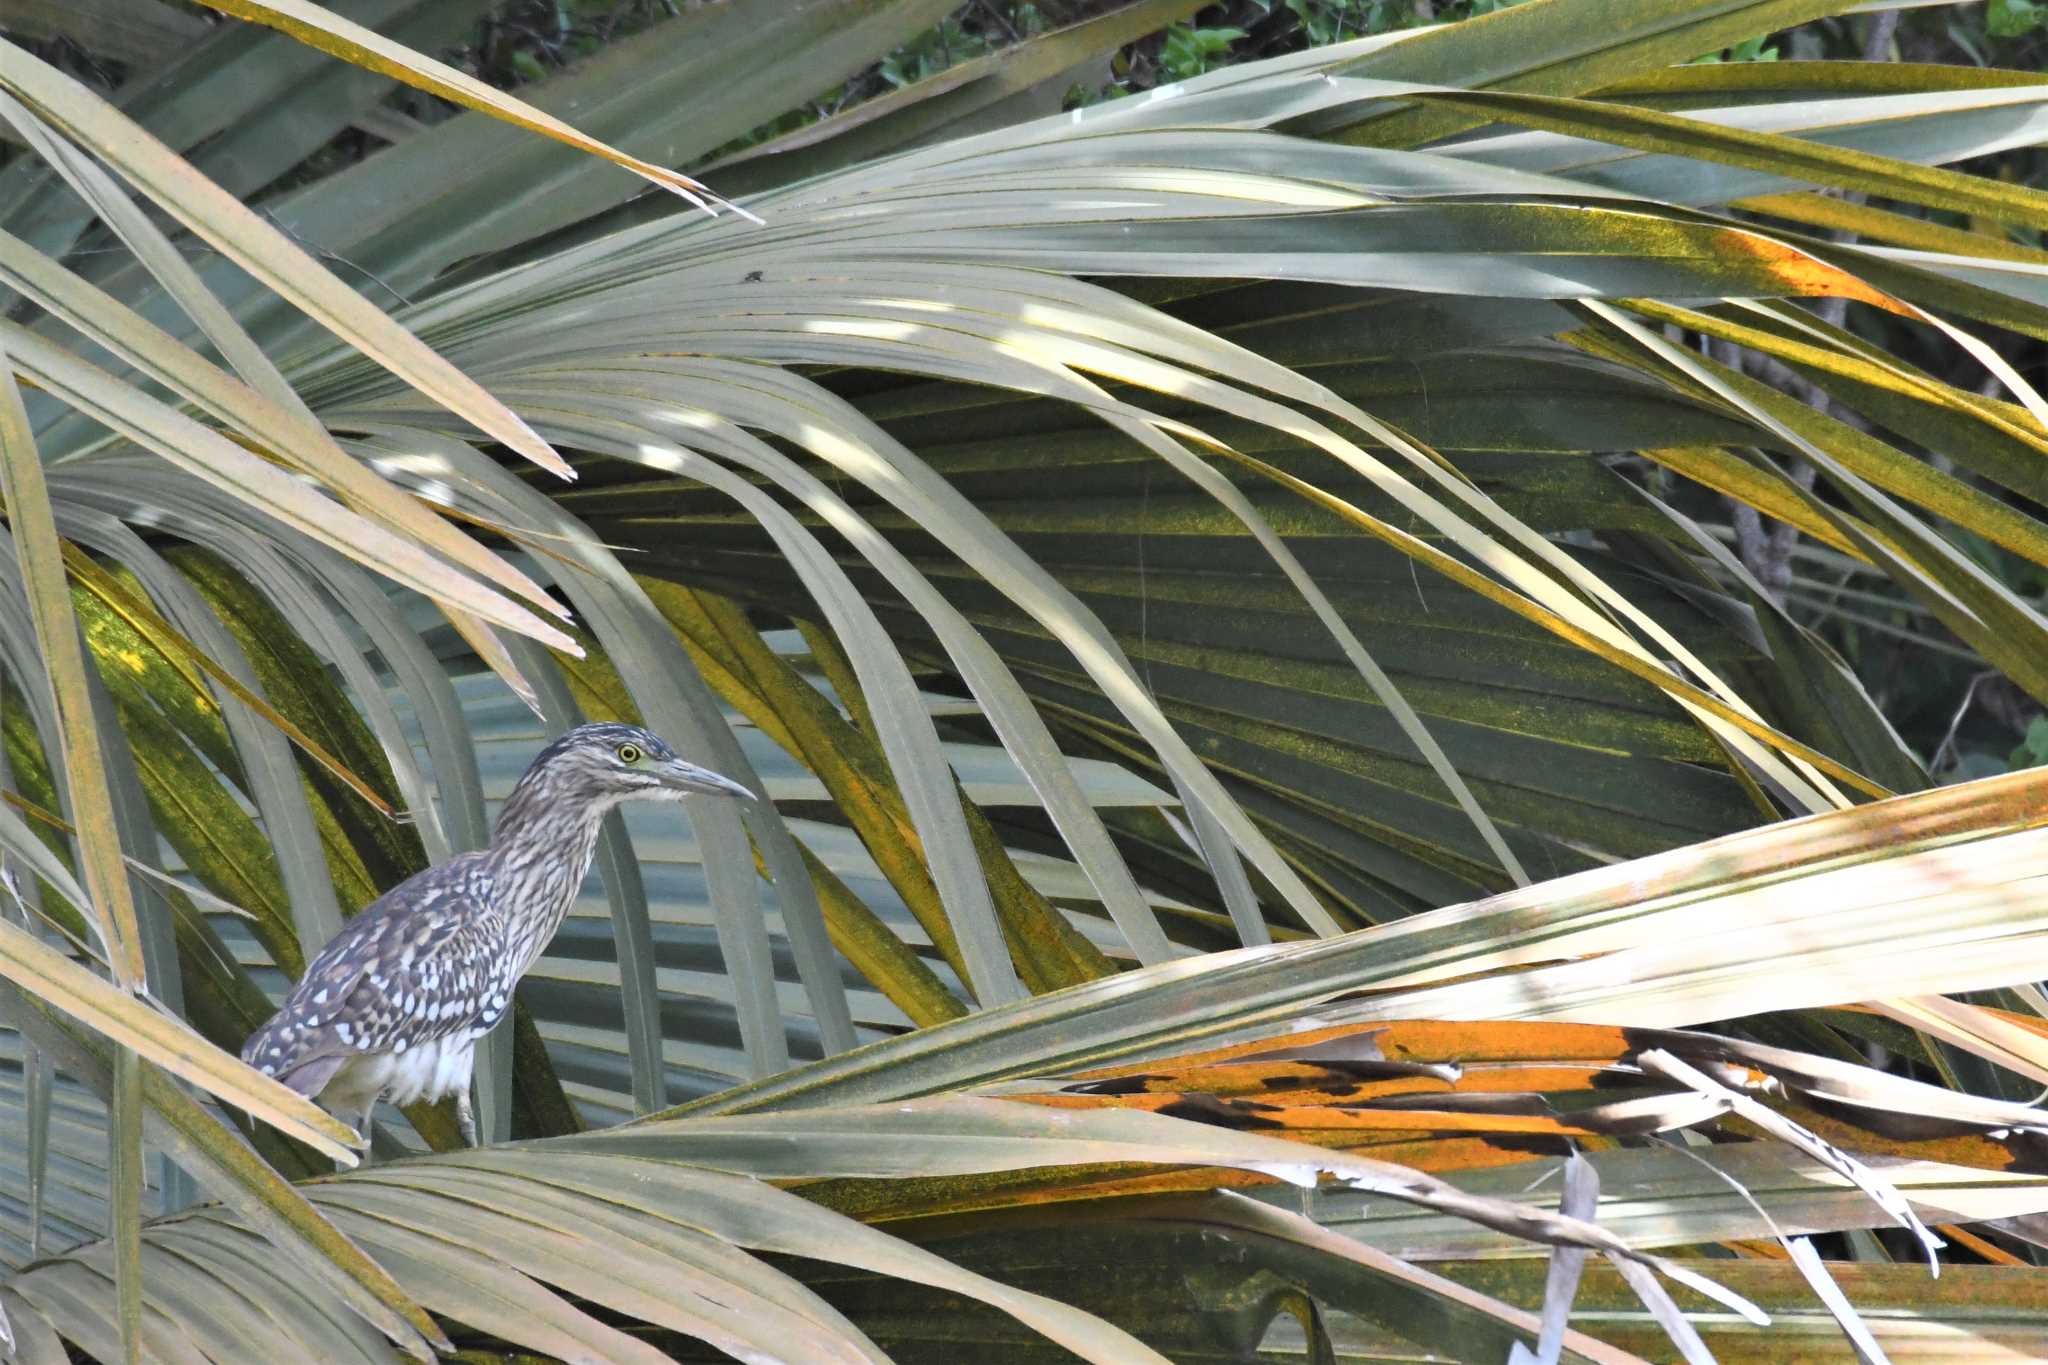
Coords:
417,965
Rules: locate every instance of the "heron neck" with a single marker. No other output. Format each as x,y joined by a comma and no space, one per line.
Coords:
542,845
539,813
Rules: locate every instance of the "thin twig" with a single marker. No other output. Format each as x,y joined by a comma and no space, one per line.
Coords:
329,254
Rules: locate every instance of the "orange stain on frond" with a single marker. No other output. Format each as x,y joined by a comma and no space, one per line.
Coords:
1758,1250
1464,1153
1324,1125
1990,1251
1506,1040
1307,1083
1437,1155
1977,1151
1412,1041
2031,1023
1807,276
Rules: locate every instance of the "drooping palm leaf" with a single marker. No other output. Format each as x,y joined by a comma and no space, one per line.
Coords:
672,1202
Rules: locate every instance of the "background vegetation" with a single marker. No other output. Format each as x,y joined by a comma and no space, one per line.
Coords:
1964,721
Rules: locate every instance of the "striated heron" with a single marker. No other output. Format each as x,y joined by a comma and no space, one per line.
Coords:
394,1004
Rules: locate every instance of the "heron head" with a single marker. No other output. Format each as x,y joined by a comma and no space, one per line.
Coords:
609,763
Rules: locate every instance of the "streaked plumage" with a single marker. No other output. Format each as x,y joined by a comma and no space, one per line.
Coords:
395,1003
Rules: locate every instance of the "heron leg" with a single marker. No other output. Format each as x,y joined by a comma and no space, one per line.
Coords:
358,1119
351,1092
465,1117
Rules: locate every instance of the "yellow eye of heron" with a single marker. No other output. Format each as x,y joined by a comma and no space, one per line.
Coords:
629,753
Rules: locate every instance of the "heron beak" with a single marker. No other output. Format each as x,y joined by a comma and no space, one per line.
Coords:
679,776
